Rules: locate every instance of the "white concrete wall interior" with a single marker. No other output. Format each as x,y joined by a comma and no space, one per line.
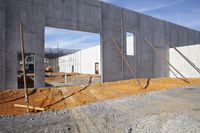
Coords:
192,53
83,61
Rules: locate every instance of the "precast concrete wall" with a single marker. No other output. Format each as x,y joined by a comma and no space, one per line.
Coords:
2,44
32,14
82,61
91,16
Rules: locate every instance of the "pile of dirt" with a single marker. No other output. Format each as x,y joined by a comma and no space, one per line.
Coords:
67,97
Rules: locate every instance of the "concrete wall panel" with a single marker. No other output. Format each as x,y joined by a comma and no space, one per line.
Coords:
60,13
11,71
2,66
111,28
2,44
158,39
90,16
196,37
111,17
174,34
2,18
183,37
111,57
18,11
159,42
146,66
157,25
31,14
131,24
74,14
191,37
90,2
130,18
145,22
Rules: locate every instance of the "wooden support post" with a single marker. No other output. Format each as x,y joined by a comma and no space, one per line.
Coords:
173,73
23,61
153,47
30,107
129,66
65,78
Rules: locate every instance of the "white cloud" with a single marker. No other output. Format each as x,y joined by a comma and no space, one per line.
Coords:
54,31
69,39
160,6
63,43
109,1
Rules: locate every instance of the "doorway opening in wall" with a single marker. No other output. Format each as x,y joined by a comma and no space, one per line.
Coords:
72,58
30,69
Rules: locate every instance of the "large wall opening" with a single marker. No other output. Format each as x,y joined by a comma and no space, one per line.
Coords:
72,58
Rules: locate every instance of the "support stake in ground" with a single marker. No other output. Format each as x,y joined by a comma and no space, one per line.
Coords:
154,48
24,70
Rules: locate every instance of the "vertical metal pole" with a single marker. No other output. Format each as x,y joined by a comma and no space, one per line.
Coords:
65,78
23,61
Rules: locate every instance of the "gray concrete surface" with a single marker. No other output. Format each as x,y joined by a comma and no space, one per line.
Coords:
72,81
90,16
168,111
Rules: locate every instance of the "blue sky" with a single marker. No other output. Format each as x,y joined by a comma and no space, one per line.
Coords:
183,12
70,39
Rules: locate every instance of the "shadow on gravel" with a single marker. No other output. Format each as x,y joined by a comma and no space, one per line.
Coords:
193,89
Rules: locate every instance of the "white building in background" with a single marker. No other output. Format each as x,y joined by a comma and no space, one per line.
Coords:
192,53
85,61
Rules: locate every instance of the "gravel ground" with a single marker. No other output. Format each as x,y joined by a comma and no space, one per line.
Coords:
168,111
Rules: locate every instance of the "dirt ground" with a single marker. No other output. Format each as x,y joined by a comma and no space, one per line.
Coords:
68,97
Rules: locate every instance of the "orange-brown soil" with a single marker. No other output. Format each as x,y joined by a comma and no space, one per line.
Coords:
68,97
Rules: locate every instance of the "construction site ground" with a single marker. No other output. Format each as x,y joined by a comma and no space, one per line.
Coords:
68,97
166,111
73,79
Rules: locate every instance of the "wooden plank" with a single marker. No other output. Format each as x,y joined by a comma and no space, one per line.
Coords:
23,60
29,107
153,47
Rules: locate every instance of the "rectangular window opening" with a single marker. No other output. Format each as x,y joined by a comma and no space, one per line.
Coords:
130,43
